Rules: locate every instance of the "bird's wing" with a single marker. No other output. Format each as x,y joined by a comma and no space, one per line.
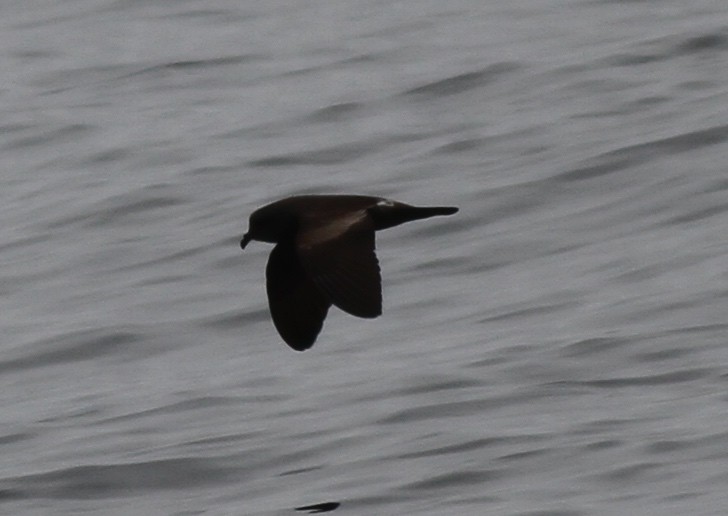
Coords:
339,257
297,306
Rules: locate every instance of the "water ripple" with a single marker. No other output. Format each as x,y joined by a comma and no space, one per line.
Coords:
463,82
72,347
632,155
103,481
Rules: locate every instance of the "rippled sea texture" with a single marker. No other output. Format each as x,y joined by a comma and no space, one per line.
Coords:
558,348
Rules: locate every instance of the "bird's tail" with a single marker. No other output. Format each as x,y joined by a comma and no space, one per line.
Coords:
399,213
433,211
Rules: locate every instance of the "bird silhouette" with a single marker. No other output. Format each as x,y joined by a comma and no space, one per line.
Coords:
324,255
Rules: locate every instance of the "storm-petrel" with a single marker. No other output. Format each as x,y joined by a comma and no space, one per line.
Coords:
324,255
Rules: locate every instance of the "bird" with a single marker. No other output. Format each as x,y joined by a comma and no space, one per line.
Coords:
324,255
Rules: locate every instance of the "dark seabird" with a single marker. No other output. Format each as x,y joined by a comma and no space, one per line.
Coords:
324,255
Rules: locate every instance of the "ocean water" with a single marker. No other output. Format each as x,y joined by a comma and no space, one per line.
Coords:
558,348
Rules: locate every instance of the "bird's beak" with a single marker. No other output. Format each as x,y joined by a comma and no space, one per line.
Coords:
246,238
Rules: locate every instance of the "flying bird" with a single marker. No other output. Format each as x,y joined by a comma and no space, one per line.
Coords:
324,255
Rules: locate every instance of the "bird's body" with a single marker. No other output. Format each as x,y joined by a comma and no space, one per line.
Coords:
324,255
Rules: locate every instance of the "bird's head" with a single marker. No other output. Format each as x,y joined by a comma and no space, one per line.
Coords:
269,225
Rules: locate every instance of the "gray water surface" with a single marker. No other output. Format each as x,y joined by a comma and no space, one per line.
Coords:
558,348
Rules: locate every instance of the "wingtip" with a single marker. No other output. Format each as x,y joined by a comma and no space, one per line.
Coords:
293,336
300,346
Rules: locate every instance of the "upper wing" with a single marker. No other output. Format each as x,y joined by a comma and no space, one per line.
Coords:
339,257
297,306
